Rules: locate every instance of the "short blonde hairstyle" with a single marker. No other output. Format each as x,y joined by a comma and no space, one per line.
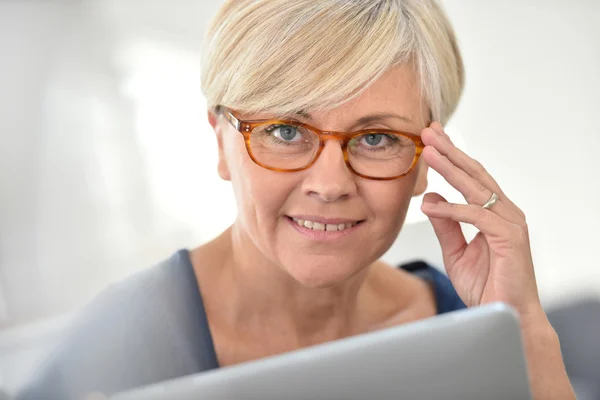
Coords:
284,56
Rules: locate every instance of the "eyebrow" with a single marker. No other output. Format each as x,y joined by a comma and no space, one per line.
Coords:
366,119
380,116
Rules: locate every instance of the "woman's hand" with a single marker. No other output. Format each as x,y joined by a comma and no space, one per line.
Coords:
497,264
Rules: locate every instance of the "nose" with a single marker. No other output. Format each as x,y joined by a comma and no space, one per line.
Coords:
329,178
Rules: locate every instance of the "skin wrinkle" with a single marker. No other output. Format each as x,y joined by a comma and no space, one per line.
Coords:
290,292
280,281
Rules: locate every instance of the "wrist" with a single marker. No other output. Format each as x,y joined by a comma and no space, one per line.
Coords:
536,330
538,333
546,370
533,319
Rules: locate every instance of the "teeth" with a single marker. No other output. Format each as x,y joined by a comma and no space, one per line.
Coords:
317,226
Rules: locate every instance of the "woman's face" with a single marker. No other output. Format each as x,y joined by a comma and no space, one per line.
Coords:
272,204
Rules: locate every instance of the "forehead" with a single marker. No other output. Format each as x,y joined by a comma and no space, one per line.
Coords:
397,85
396,91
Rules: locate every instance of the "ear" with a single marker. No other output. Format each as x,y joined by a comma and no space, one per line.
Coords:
222,166
421,185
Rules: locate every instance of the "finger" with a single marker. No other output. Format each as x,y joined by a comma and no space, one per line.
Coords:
488,222
472,190
449,234
435,136
462,160
471,166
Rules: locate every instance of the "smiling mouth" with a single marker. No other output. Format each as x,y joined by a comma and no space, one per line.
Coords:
318,226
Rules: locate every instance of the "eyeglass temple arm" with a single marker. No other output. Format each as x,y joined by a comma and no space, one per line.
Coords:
232,119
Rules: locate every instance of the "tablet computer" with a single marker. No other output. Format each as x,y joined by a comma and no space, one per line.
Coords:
475,353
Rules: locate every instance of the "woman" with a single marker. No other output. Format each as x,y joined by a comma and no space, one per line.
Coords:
328,114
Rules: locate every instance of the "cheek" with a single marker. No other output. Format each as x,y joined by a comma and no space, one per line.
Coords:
390,200
260,194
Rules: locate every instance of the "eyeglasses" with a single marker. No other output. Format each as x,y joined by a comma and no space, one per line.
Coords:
290,146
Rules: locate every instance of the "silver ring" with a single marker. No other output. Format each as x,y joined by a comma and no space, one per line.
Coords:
490,203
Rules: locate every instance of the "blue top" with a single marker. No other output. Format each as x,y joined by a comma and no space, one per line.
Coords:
150,328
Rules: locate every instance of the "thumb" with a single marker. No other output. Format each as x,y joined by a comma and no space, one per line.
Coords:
449,234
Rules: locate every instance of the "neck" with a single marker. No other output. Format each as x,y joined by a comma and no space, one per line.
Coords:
264,300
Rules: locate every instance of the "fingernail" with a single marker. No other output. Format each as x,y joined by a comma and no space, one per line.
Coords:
435,131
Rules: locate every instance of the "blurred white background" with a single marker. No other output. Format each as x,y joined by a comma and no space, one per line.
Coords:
107,163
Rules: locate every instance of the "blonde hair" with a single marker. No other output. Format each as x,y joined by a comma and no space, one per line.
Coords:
283,56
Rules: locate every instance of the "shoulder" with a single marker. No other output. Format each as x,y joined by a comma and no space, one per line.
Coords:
133,333
446,297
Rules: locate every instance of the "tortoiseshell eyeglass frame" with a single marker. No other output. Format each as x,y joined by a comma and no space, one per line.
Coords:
245,127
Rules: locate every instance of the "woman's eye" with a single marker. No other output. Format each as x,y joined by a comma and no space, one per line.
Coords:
286,133
374,139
